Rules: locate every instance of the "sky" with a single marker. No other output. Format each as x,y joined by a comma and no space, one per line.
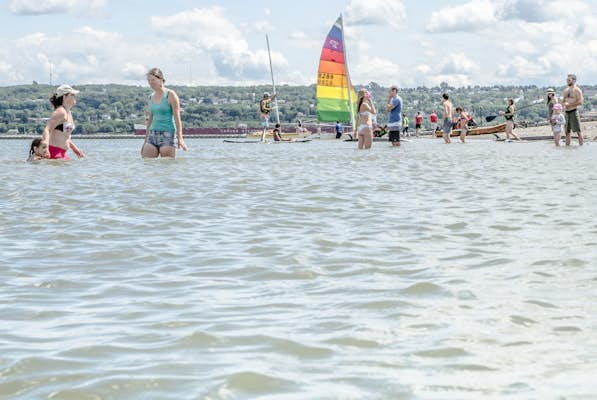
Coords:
409,43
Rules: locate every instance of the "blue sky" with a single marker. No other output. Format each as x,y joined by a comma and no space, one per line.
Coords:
406,42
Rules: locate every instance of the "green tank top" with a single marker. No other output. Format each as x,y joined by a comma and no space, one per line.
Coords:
163,118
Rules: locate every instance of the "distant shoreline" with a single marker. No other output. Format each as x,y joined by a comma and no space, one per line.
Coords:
589,129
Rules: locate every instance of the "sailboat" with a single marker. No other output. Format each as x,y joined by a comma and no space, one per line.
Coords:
263,133
335,95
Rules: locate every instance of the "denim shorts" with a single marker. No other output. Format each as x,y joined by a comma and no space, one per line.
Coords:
162,139
447,126
265,120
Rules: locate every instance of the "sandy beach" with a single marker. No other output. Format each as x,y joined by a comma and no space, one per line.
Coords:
589,129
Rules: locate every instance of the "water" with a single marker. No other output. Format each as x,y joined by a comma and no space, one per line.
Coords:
303,271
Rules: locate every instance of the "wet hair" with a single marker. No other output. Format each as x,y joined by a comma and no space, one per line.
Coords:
156,72
56,101
360,103
35,143
445,96
361,96
511,102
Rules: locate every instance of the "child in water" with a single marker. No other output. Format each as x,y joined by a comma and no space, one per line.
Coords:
557,122
39,150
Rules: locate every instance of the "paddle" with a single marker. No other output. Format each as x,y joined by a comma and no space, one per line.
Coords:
492,117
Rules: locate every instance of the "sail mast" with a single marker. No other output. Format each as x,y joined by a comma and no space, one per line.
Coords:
271,70
348,81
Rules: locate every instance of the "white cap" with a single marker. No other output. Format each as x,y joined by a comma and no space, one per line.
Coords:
65,89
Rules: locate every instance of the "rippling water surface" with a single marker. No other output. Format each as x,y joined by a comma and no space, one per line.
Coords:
303,271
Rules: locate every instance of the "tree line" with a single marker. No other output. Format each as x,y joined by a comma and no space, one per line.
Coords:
116,108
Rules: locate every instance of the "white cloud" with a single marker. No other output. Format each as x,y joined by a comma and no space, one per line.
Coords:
520,67
212,33
458,64
86,59
134,70
376,69
423,68
10,73
530,40
463,18
376,12
301,40
36,7
541,10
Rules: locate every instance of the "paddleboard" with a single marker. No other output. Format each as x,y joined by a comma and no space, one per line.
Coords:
291,141
241,141
377,140
267,141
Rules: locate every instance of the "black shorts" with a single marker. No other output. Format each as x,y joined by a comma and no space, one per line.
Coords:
394,136
418,126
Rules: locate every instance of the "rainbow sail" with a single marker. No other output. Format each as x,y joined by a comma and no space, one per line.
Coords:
333,80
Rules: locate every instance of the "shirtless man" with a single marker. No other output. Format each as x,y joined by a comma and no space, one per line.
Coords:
447,118
572,99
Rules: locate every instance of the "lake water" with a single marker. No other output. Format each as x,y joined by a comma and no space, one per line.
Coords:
300,271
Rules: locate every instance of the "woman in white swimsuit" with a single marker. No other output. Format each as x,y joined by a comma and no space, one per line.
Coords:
366,111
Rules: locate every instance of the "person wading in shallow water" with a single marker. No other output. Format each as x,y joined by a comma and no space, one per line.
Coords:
509,114
366,112
447,117
572,99
394,109
60,126
164,127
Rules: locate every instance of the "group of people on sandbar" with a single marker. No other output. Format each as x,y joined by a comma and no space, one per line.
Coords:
163,128
457,118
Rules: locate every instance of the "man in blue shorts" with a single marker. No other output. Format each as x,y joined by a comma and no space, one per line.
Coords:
394,108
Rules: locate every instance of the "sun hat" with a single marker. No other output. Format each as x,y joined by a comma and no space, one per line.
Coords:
550,90
65,89
557,106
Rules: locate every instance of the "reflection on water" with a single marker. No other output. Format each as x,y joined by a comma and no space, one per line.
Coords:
300,271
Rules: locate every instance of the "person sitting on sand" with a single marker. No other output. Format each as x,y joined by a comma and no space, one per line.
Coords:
39,150
380,131
300,129
277,135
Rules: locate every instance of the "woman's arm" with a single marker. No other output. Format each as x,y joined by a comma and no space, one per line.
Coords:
373,107
148,121
175,104
58,117
75,149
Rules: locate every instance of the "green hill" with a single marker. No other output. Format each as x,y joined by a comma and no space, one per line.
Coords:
116,108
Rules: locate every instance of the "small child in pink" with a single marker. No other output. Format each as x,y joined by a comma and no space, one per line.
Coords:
557,123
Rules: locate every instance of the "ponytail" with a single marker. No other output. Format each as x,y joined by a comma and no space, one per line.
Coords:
56,101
